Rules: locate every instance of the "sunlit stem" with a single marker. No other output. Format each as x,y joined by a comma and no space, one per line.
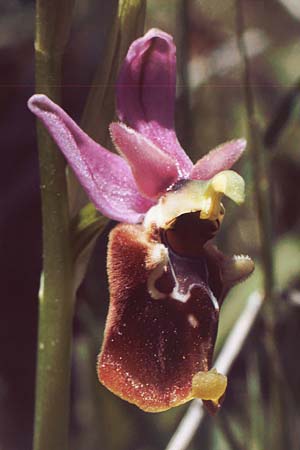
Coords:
55,300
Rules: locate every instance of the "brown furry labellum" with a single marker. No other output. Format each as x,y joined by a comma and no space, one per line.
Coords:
165,295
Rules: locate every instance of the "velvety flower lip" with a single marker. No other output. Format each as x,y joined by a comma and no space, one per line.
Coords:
153,346
167,280
163,319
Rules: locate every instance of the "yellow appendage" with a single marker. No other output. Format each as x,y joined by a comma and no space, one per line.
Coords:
209,385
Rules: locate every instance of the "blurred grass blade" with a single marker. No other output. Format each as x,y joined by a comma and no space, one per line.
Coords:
185,119
92,121
86,227
292,6
127,23
231,349
224,425
103,81
282,116
132,15
255,404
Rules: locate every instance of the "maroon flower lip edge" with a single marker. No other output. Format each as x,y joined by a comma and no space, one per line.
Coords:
167,280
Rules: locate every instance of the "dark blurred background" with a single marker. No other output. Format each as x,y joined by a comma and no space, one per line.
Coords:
210,110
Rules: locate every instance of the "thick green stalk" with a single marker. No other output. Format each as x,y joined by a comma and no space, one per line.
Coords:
55,300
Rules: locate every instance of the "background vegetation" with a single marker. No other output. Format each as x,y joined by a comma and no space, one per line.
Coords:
211,109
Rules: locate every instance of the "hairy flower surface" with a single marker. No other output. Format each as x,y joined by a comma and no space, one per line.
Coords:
167,280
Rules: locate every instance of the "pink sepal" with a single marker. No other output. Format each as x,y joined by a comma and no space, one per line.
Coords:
106,177
146,91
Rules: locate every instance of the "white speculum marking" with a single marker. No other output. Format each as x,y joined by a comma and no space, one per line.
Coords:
160,258
192,320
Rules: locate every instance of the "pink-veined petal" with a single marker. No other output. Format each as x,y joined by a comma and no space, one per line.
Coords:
106,177
221,158
146,93
154,171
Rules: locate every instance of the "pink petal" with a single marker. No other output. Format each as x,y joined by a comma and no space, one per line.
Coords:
106,177
218,159
154,171
146,93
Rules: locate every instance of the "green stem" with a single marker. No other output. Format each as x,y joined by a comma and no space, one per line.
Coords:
263,201
260,166
55,301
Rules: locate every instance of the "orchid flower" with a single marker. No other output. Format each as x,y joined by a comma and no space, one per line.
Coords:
167,280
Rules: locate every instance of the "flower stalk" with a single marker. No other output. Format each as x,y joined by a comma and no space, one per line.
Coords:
55,298
58,283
